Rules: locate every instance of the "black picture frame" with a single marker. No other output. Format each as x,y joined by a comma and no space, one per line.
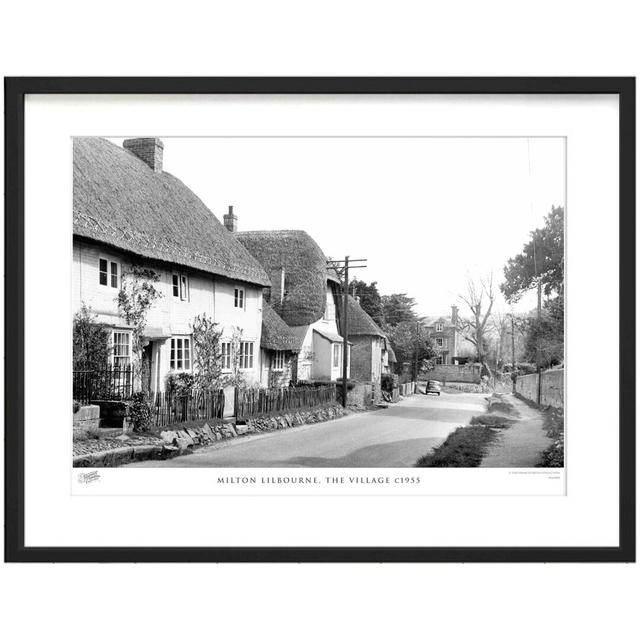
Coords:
15,91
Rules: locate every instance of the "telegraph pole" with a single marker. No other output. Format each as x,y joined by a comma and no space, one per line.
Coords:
341,267
415,352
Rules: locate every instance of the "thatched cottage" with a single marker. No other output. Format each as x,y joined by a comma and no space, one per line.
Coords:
128,211
368,345
304,296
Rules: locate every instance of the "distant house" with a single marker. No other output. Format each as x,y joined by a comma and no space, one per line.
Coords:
445,335
128,211
303,294
368,345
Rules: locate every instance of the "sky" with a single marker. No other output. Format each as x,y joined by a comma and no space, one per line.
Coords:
427,213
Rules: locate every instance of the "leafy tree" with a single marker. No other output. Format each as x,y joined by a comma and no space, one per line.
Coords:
137,295
547,334
398,308
370,299
541,260
90,340
207,353
410,341
475,328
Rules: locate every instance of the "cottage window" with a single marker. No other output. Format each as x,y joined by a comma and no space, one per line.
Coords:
180,354
277,361
337,354
108,273
238,298
439,326
225,355
180,286
439,342
121,349
246,355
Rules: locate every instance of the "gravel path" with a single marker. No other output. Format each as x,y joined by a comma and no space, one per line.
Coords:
521,444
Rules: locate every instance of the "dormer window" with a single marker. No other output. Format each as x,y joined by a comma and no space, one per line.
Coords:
439,326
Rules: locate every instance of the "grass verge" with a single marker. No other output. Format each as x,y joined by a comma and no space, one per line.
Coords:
553,455
465,447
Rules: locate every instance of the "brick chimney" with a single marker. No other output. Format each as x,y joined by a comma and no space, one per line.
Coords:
454,315
277,287
149,150
231,220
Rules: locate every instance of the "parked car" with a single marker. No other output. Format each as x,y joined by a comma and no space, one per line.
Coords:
433,386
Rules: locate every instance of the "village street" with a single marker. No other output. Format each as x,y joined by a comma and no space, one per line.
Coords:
392,437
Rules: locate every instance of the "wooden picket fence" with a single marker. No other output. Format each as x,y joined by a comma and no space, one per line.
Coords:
250,403
170,408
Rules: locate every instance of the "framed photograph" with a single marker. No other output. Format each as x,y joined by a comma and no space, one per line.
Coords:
320,319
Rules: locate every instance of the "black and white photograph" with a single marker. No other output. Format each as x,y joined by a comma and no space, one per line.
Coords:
363,316
321,301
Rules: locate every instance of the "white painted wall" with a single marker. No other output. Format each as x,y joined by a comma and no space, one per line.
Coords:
169,316
313,365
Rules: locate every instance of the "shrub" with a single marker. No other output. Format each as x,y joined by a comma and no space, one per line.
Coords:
76,406
312,383
90,340
180,384
525,368
140,412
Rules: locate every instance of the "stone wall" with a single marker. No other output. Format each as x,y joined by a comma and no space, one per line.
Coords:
453,373
287,420
552,390
86,419
179,441
359,397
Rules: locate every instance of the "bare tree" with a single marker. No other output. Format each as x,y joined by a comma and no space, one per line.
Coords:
475,329
501,325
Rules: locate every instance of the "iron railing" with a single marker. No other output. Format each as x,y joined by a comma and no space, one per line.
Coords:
103,383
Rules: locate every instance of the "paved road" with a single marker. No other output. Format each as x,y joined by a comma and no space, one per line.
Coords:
392,437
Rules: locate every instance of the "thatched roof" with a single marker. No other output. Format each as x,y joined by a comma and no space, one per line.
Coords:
360,323
305,271
119,200
276,334
391,355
